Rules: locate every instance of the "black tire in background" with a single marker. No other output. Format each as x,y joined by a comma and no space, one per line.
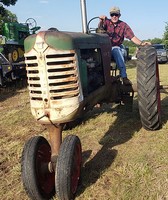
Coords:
148,88
38,182
68,168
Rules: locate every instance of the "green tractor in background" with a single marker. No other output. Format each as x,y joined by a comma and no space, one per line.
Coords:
12,48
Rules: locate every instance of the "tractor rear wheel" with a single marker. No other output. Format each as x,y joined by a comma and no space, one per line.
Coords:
13,55
68,168
148,88
38,182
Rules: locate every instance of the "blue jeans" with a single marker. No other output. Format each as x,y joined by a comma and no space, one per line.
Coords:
116,53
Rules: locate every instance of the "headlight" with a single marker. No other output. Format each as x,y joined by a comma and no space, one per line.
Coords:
163,54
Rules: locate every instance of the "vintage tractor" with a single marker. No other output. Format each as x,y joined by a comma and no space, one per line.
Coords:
68,74
12,49
13,35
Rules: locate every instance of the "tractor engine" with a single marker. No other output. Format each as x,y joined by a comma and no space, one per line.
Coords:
64,72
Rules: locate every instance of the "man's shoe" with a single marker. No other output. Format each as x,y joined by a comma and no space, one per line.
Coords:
126,81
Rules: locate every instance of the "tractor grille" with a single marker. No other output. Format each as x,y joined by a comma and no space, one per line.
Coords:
52,76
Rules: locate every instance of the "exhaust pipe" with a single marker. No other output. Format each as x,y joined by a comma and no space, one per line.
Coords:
84,16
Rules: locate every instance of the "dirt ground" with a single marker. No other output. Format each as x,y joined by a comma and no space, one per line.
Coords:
138,164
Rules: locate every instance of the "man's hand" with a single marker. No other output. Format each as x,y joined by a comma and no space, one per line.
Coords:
102,17
145,43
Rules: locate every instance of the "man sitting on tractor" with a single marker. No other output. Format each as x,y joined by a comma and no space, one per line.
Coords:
117,31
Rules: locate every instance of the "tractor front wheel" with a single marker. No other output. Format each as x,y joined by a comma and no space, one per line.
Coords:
38,182
68,168
148,88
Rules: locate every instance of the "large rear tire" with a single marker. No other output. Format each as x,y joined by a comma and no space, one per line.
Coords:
68,168
38,182
148,88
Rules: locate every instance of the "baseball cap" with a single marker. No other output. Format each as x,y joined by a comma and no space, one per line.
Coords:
115,10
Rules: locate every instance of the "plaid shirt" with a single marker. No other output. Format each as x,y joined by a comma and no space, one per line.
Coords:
117,32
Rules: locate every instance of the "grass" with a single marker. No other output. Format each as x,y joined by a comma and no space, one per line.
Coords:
121,160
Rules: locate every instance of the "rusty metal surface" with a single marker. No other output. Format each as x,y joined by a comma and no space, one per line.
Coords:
56,94
53,82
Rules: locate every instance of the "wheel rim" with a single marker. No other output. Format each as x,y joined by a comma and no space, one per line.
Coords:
45,178
77,159
15,55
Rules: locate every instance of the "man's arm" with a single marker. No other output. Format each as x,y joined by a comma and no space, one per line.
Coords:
137,41
101,23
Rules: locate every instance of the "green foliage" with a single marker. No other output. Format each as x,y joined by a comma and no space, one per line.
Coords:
166,35
156,41
3,3
8,2
132,50
164,40
6,15
133,47
129,43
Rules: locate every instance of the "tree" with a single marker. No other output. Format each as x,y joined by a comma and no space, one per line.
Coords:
6,15
8,2
165,37
156,41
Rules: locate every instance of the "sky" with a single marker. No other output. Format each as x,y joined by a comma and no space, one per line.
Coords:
147,18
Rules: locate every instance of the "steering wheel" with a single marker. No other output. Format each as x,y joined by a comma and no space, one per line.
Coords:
89,30
96,30
31,23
